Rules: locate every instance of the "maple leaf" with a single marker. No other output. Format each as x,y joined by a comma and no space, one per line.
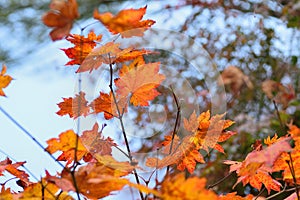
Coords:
95,142
61,17
74,107
185,155
257,165
269,141
6,194
105,103
4,80
105,173
208,131
43,190
66,142
192,188
139,82
270,154
278,92
235,78
109,53
255,174
127,22
12,168
82,47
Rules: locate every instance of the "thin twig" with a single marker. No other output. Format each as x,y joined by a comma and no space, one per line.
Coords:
279,117
177,124
282,191
292,169
258,195
220,181
122,124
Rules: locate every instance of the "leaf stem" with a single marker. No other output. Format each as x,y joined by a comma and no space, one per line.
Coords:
122,124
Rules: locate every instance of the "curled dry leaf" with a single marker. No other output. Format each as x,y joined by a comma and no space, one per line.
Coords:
61,16
12,168
235,79
279,93
127,22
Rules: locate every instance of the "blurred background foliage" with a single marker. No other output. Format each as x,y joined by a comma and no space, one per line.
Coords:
260,37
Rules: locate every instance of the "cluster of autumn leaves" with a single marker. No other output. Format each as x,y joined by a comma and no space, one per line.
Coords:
91,171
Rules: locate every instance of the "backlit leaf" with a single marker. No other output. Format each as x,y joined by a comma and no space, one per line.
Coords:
127,22
82,47
74,107
61,15
139,83
192,188
4,80
105,103
66,143
96,143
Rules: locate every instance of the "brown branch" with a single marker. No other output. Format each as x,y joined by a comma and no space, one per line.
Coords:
292,169
122,124
177,124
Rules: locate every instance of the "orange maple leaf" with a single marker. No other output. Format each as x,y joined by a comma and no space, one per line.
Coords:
192,188
105,103
283,163
255,174
82,47
127,22
234,196
74,107
61,17
109,53
4,80
43,190
66,142
139,82
105,173
208,131
184,156
12,168
95,142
